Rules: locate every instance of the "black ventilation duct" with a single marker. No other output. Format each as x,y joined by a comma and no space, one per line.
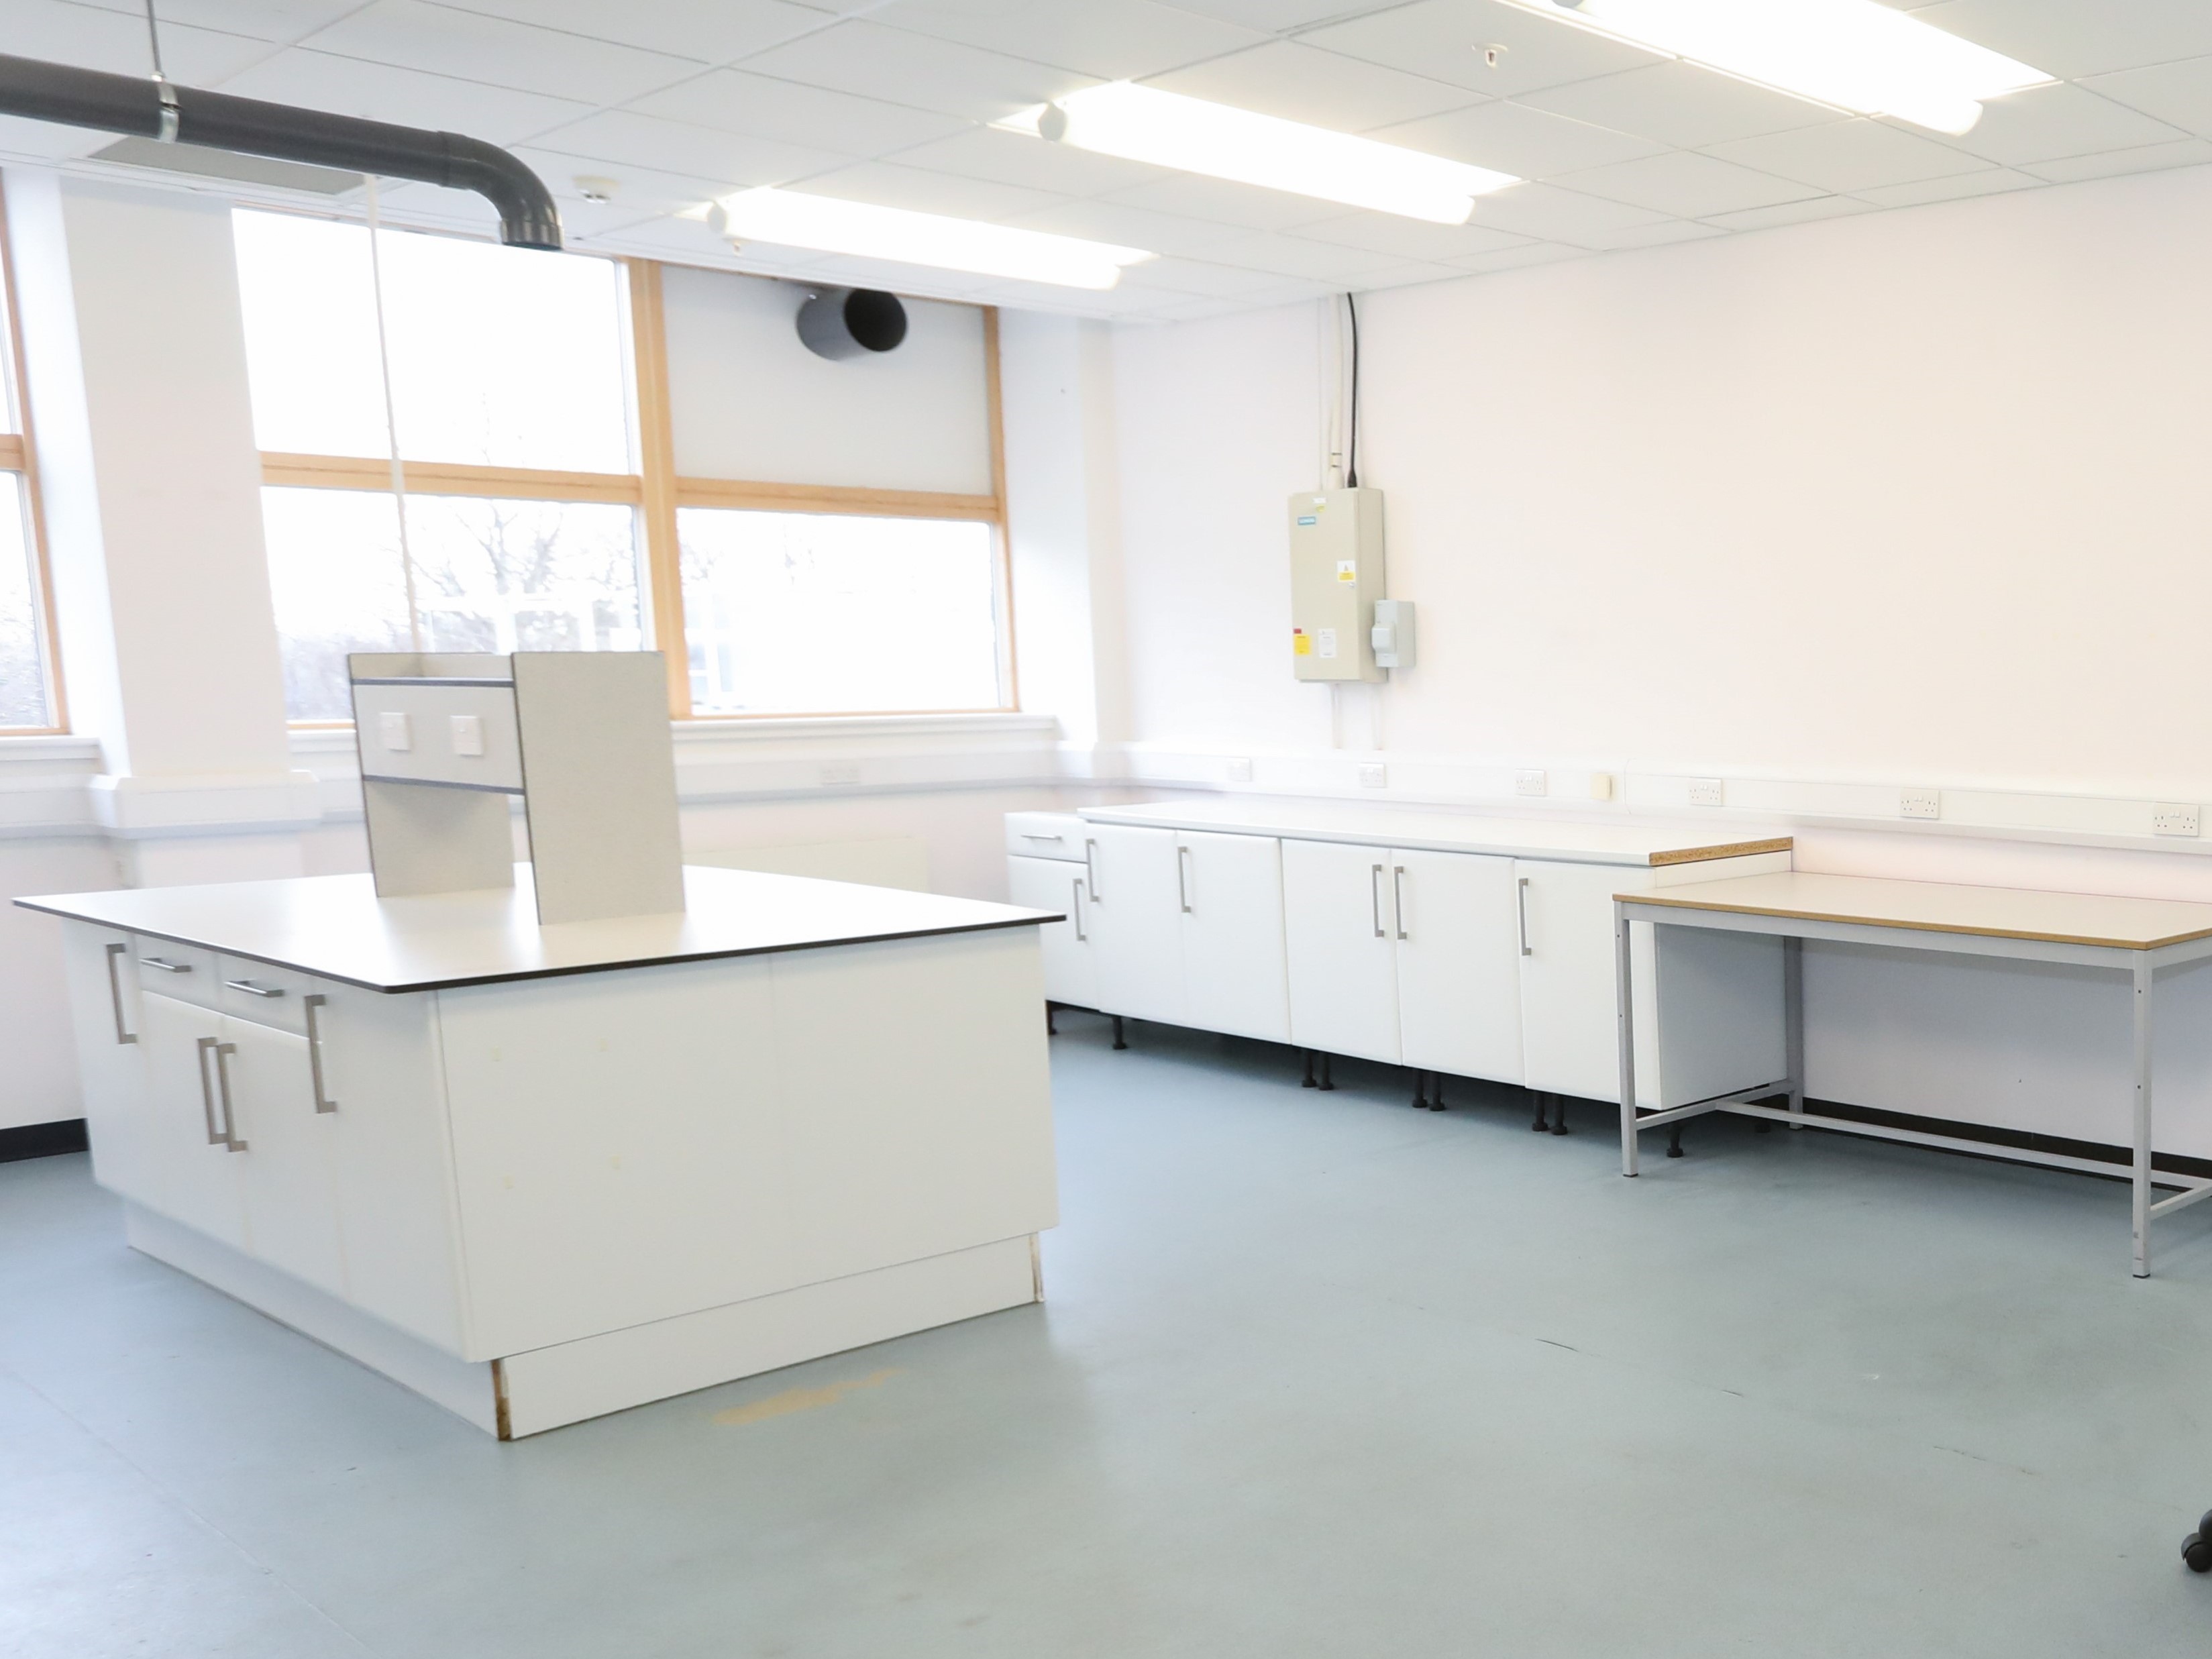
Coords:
246,126
851,322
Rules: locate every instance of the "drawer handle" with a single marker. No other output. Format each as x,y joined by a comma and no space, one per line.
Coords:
1076,910
165,965
1036,835
1398,895
1375,898
1521,903
222,1051
1091,868
252,989
313,1002
123,1033
1182,886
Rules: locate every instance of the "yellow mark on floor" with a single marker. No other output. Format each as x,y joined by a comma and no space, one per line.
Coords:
802,1399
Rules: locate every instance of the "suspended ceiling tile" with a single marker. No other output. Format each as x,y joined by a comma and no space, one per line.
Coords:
762,107
1277,16
2179,93
1687,185
89,38
2149,158
1129,227
1849,155
1514,259
383,92
645,191
1250,205
1529,143
1412,238
23,140
1198,277
1319,262
1679,105
889,184
1557,214
1658,235
704,31
2044,122
616,138
1790,213
1444,39
284,21
1407,275
1013,158
498,53
1995,182
1113,39
687,242
2070,38
866,58
1300,84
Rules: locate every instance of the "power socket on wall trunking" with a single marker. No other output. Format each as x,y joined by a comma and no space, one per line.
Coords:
2169,817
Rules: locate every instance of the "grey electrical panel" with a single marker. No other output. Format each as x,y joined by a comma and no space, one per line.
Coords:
1336,576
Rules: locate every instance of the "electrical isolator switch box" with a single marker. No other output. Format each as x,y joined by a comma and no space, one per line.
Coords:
468,733
1336,577
1392,635
394,732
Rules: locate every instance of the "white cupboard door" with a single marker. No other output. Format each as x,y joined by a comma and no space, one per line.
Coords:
1231,892
1135,921
1459,963
195,1174
286,1170
103,994
1568,1016
1340,929
1071,971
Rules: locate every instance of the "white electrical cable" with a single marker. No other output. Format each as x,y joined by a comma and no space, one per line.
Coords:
391,422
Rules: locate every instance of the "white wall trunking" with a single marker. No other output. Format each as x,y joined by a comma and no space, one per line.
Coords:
1453,945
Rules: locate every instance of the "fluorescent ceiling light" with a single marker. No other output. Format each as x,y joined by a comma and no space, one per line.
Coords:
829,224
1143,124
1856,55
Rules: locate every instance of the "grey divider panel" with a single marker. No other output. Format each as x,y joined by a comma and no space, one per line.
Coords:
437,841
599,777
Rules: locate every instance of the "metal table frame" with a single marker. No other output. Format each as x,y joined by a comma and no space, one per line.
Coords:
2140,966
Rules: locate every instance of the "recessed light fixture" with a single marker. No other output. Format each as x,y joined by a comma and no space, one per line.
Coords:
1854,55
829,224
1143,124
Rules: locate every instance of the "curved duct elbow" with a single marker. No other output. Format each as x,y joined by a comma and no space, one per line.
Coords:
149,109
851,322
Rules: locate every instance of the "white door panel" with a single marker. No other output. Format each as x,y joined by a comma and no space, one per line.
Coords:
1338,921
1135,922
1071,966
1458,962
1230,888
195,1177
286,1172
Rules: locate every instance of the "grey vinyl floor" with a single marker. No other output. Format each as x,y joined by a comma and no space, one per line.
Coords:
1318,1375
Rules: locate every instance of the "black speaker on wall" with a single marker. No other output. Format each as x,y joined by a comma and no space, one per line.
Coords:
851,322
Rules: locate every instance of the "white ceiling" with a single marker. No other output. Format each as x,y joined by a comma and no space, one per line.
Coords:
889,101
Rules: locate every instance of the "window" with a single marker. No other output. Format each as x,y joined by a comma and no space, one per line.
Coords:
30,692
528,394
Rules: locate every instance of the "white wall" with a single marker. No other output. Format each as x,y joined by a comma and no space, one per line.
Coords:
747,401
1917,495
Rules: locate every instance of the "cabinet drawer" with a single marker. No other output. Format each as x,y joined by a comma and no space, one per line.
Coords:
1046,835
183,972
255,991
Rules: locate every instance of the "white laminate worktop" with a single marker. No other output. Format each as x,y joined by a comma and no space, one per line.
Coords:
335,927
1565,840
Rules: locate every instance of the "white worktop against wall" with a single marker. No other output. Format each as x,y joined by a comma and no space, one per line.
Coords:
336,928
1568,841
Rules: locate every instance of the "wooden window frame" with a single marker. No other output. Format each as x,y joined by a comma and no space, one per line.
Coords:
18,451
657,492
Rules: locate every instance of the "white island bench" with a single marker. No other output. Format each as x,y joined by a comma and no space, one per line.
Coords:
541,1173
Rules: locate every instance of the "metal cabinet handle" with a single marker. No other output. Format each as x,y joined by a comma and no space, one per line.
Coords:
1075,910
252,989
123,1033
1375,898
222,1081
1182,888
165,965
1091,868
1521,903
1038,834
1398,897
215,1137
311,1002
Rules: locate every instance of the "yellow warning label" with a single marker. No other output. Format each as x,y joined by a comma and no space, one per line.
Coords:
1301,644
1347,570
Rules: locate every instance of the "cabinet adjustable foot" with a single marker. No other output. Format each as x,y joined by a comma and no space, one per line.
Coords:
1420,1091
1558,1115
1543,1103
1050,1029
1311,1083
1119,1041
1327,1081
1435,1091
1673,1140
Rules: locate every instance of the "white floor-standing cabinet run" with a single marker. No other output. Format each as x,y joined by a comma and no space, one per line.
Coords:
1474,947
541,1174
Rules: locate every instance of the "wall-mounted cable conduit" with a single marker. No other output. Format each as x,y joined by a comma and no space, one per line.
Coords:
161,110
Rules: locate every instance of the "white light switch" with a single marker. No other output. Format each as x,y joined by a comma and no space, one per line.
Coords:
394,732
468,733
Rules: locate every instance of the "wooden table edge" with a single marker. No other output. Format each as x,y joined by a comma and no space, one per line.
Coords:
1687,903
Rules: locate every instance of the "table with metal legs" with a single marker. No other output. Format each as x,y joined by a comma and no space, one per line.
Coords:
2133,937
